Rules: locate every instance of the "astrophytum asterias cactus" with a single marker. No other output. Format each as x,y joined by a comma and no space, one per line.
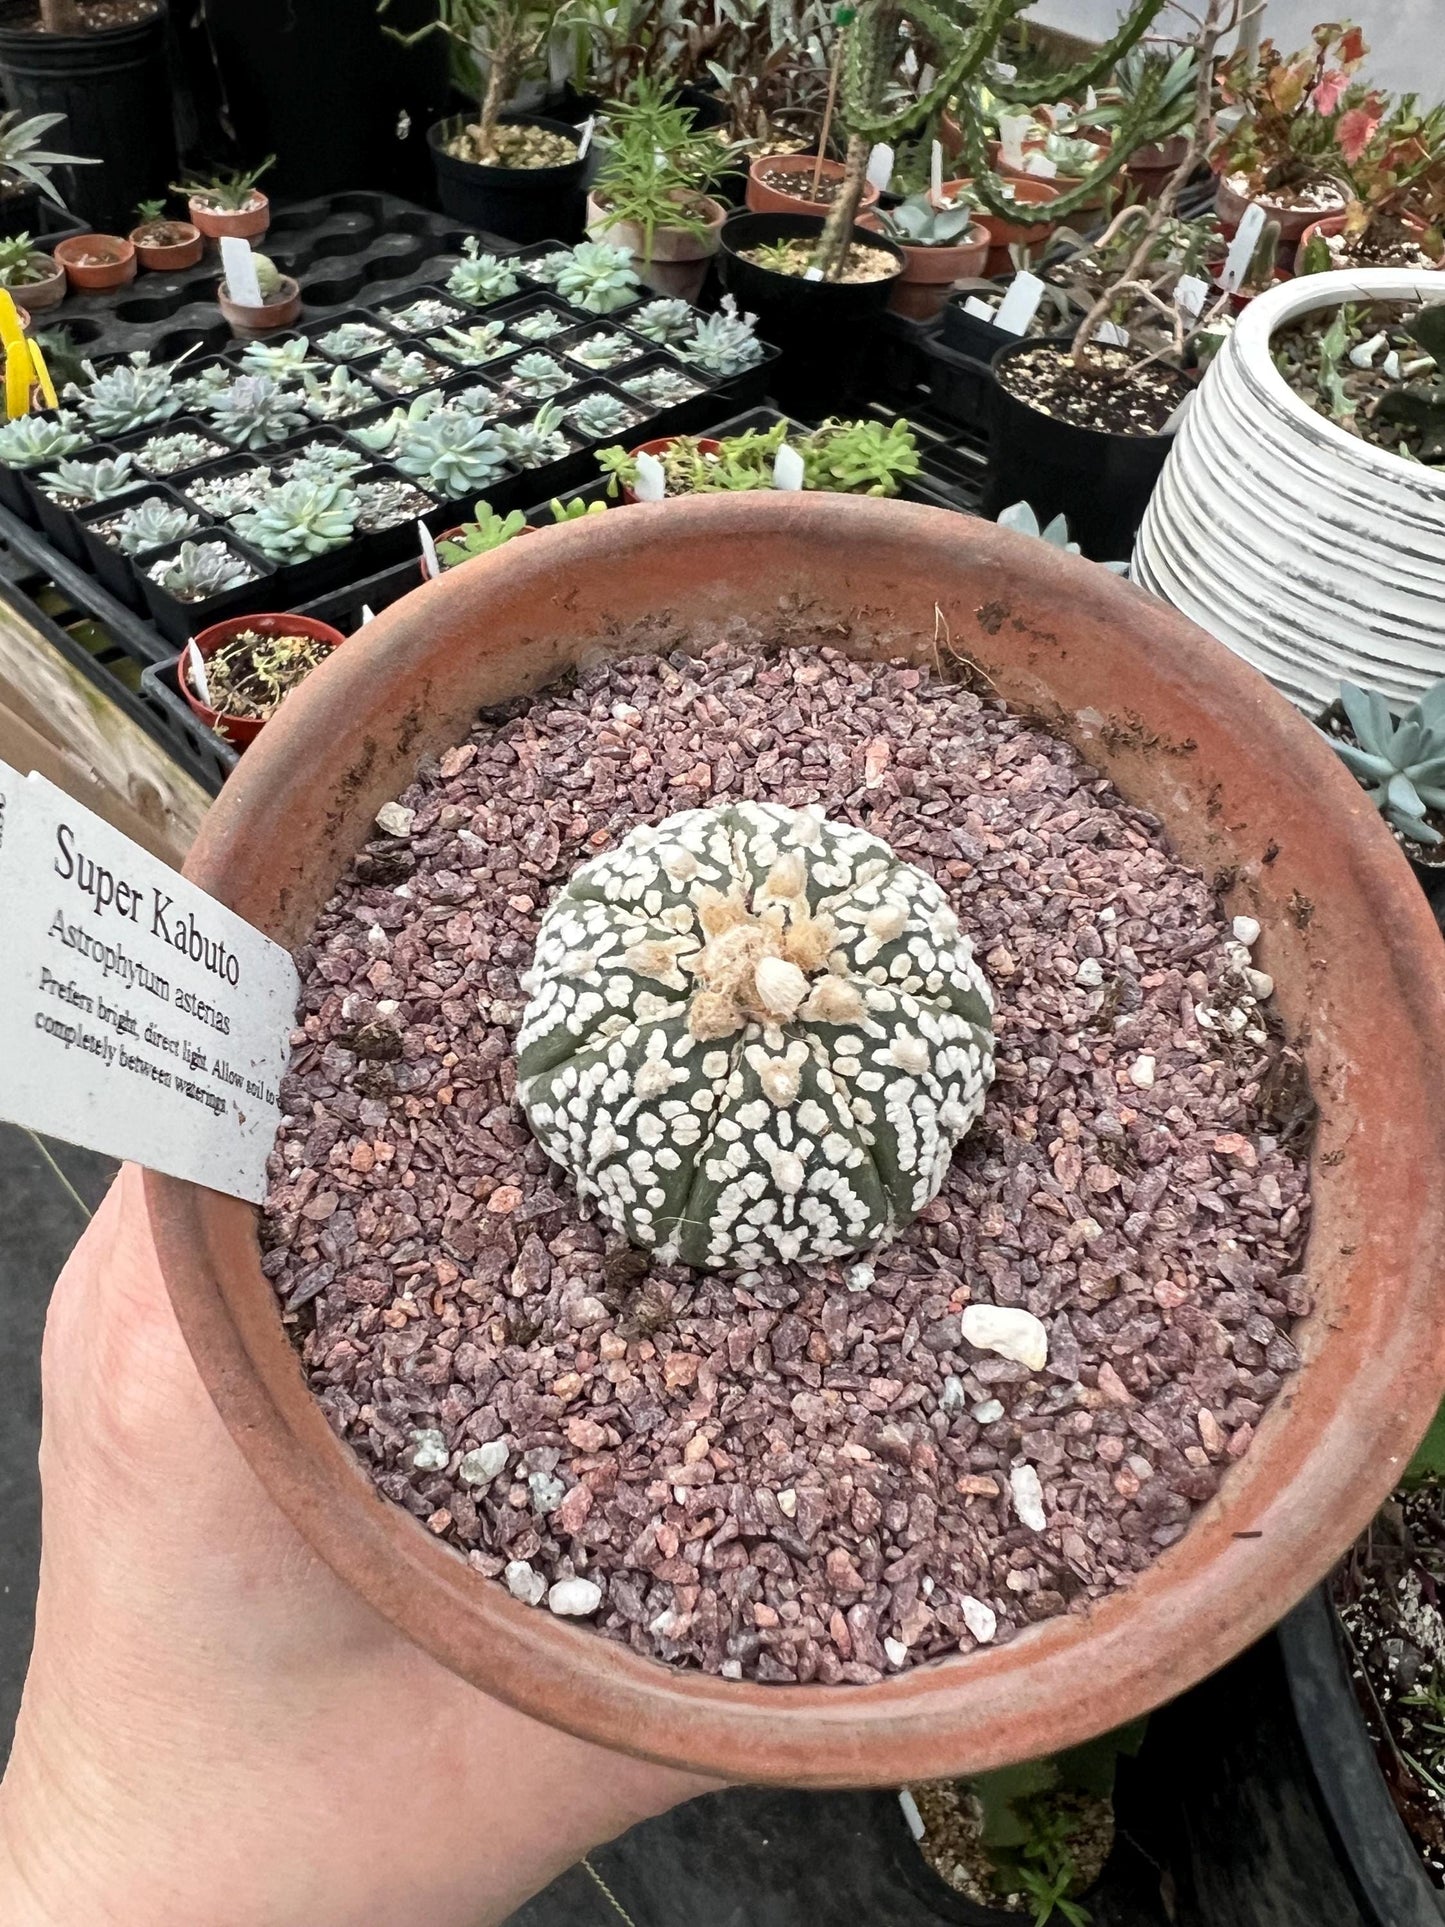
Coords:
754,1034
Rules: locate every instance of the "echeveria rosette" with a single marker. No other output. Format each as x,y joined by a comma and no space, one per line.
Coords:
754,1035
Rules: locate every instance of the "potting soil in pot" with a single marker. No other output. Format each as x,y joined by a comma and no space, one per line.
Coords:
1112,392
803,1471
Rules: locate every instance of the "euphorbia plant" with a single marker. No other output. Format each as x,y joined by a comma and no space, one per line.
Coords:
503,39
1304,116
657,168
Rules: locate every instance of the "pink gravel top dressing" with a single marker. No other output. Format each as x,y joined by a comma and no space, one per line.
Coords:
803,1472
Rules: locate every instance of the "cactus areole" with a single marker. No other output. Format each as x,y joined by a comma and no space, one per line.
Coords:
754,1035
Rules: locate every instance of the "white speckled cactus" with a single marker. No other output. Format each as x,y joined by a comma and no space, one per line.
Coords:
754,1035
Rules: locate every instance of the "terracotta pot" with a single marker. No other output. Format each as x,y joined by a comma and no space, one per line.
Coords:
705,445
767,200
242,730
249,222
271,315
928,273
117,267
159,256
1150,166
1060,183
1002,235
1229,208
1331,224
1246,789
677,262
48,293
950,134
451,534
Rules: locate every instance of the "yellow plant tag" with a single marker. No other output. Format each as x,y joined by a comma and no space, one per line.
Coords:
17,358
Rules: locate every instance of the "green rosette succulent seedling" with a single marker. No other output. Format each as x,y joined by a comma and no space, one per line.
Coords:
223,497
30,440
451,451
320,460
1401,764
547,268
423,315
199,390
282,360
353,341
386,501
598,277
664,321
480,399
482,278
486,531
339,396
78,484
544,324
133,394
307,516
405,370
753,1035
535,443
200,570
254,411
660,387
602,350
724,343
470,347
535,377
382,436
919,223
598,417
150,525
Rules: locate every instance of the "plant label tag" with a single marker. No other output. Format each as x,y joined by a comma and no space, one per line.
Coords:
589,127
787,468
141,1018
368,614
1177,417
431,566
1020,304
975,304
880,166
651,483
926,79
935,169
1013,129
1039,165
1242,248
812,274
1190,294
196,671
242,282
1112,335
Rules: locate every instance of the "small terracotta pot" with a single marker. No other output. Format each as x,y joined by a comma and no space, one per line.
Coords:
705,445
49,293
767,200
677,264
249,222
450,535
117,268
1244,788
158,256
1060,183
1002,235
266,319
1150,166
1330,224
1230,208
241,730
928,273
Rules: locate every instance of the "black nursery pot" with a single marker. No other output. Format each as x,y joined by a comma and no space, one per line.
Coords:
519,203
1101,482
1389,1880
823,330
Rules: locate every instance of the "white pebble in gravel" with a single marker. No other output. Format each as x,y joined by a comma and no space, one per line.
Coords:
574,1598
1028,1497
1246,930
1090,973
1009,1332
988,1411
1141,1072
1260,982
431,1453
483,1465
953,1397
980,1620
731,1669
897,1652
860,1277
547,1492
395,819
524,1584
788,1503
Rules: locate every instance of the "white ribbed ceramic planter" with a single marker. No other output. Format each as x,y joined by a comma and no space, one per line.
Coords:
1313,554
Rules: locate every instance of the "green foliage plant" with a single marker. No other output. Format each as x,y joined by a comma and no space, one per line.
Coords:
657,168
1400,763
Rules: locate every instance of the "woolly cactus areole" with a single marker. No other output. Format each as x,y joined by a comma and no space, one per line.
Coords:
754,1035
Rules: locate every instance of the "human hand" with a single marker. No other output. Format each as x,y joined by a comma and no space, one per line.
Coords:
215,1731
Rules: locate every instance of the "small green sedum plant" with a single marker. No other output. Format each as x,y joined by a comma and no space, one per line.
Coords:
1401,764
307,516
482,277
598,278
486,531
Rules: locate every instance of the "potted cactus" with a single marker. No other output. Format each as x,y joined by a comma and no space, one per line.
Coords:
163,245
280,301
940,245
251,663
229,202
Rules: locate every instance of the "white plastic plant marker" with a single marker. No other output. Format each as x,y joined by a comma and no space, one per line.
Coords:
880,167
431,566
1191,292
1242,248
589,127
935,169
813,274
926,79
1112,335
787,468
651,483
975,304
142,1018
243,284
1039,165
368,614
1020,304
196,670
911,1813
1013,130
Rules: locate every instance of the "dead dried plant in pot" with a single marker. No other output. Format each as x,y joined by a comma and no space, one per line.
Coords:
1242,785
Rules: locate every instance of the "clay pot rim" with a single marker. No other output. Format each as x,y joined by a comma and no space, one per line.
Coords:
196,201
192,233
1327,1452
705,445
288,291
799,164
65,251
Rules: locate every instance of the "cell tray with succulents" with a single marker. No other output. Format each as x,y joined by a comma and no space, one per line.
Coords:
279,469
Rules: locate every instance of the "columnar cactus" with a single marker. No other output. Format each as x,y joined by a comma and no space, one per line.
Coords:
754,1034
